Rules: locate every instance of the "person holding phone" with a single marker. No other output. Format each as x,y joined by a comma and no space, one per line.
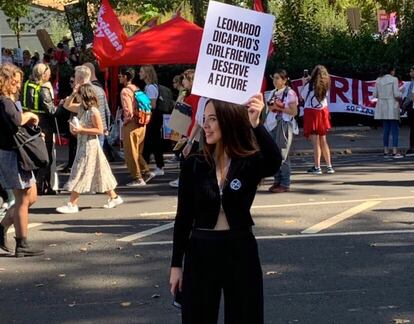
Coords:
91,170
316,119
213,225
283,106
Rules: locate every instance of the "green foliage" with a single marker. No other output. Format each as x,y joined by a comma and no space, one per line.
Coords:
58,28
311,32
15,11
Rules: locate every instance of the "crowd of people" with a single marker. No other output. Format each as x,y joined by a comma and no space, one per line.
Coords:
221,166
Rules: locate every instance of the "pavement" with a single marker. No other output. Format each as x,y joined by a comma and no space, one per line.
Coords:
342,140
336,249
352,140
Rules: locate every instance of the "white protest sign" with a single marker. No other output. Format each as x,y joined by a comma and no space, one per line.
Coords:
233,53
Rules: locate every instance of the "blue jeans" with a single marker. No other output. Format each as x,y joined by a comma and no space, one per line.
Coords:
101,140
391,125
282,134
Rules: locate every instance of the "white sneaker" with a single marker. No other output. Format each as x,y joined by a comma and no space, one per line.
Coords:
159,172
8,204
175,183
68,209
136,183
113,202
174,159
148,176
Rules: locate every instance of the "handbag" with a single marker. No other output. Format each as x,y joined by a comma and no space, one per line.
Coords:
31,148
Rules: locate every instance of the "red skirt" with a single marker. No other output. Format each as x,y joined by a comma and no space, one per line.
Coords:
316,121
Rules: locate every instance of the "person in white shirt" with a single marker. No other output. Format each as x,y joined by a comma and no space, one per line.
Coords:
153,140
387,108
407,105
316,119
283,107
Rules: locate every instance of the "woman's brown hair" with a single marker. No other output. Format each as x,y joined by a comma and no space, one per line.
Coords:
320,82
7,72
237,138
88,96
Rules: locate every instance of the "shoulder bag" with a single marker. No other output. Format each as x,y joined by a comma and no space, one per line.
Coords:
31,148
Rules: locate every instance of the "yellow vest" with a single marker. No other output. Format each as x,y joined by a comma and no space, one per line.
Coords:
36,94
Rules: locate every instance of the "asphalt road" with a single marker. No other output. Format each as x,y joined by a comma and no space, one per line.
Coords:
336,249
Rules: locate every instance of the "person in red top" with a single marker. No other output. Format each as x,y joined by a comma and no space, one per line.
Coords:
60,56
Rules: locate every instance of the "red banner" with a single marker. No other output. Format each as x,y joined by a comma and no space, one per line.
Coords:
346,95
110,38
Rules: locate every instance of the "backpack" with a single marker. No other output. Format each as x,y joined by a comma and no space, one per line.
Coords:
165,102
142,110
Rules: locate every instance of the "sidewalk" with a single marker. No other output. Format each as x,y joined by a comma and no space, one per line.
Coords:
342,140
352,140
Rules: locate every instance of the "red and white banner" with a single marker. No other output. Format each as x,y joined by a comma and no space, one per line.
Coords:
346,95
110,38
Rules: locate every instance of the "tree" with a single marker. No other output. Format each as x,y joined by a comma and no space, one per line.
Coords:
16,11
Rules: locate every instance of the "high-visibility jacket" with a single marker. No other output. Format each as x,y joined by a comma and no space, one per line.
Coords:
37,99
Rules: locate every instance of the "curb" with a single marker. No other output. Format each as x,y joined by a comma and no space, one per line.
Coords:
340,151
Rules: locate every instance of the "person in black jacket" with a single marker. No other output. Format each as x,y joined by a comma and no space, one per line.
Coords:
12,176
37,98
213,225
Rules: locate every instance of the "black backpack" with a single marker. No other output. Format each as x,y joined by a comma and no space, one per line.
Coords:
165,102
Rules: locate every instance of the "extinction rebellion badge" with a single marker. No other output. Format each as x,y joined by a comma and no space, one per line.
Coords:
235,184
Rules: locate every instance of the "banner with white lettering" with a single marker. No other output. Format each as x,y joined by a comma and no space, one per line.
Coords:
233,53
110,38
346,95
79,24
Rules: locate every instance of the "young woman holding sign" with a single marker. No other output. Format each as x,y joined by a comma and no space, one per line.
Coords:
213,226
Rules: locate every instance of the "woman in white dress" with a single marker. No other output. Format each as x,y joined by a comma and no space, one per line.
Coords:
90,170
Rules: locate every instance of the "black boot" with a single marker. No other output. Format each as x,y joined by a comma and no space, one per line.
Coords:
3,239
24,250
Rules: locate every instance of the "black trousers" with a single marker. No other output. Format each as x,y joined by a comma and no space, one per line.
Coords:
410,117
153,140
73,144
43,175
227,261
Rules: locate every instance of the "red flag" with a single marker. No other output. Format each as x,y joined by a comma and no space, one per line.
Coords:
258,6
110,38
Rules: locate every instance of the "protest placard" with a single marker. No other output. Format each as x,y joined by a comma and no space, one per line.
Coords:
79,24
180,119
166,131
233,53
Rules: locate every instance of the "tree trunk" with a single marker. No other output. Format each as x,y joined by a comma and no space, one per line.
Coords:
198,8
18,31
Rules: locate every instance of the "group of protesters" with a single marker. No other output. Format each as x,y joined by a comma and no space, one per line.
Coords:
221,166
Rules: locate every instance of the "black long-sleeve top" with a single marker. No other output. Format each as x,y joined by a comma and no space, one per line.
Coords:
199,195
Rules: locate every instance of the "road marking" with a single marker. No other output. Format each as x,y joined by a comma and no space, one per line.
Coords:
158,213
146,233
31,225
313,203
300,236
340,217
